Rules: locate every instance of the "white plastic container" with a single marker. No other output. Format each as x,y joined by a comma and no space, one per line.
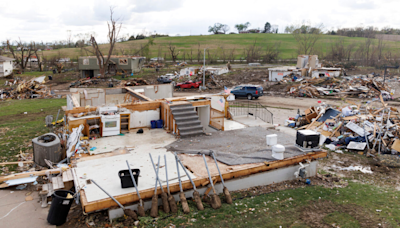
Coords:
278,151
272,140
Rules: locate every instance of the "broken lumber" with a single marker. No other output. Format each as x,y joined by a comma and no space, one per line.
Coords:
16,163
28,174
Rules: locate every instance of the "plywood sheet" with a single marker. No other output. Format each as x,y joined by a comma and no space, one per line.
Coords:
195,164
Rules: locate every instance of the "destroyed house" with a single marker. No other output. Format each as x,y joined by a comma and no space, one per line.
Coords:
6,66
89,65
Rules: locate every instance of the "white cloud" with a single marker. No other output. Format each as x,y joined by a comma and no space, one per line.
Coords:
49,20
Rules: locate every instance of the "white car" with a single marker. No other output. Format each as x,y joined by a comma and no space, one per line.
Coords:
157,59
171,76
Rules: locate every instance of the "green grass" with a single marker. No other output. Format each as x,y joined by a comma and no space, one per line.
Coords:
19,128
287,209
34,73
186,44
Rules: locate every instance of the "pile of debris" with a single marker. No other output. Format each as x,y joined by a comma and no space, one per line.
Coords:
85,82
134,82
355,86
154,65
361,128
26,89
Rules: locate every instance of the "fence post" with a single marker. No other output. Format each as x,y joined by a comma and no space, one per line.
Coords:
255,113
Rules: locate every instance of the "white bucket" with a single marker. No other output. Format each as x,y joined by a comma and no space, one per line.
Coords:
272,140
278,151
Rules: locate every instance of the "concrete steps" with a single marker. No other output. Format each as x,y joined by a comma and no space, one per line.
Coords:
187,120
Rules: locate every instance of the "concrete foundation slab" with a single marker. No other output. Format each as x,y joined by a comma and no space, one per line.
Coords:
251,121
265,178
232,125
150,138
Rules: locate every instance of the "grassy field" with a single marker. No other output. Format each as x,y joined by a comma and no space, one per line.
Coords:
227,42
357,205
18,129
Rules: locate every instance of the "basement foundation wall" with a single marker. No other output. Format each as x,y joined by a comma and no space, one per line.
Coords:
264,178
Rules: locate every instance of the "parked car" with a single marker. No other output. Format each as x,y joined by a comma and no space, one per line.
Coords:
171,76
164,79
157,59
248,91
188,85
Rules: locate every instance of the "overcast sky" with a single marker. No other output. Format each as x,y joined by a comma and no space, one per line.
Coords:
45,20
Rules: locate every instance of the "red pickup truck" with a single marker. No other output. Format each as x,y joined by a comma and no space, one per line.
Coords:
188,85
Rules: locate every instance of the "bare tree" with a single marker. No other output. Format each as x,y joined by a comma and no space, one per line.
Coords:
380,47
22,57
231,55
173,52
252,52
35,50
349,50
271,52
198,53
69,38
113,32
306,37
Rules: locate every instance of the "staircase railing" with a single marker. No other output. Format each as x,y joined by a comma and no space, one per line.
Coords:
251,108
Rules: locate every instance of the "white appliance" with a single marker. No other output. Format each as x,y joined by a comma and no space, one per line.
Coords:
110,119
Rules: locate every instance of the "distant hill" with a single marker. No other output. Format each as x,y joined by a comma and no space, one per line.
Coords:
219,45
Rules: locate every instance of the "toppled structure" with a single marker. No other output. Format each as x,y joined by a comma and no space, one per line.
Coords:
26,89
353,86
361,128
307,66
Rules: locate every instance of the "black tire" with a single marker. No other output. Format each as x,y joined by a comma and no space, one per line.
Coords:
249,96
191,88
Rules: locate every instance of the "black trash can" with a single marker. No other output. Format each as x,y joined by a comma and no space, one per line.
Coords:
60,206
126,179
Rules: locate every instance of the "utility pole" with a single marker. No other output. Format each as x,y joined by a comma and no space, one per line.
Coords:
204,69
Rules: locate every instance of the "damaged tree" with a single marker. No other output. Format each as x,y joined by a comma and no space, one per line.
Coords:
35,49
173,52
20,58
253,52
113,32
306,37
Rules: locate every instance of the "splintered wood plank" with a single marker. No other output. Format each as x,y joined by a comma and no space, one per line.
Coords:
57,183
195,164
67,176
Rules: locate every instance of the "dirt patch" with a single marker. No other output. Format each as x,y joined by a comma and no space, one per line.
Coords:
314,214
26,117
3,130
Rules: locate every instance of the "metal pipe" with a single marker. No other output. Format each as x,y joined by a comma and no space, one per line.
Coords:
222,179
184,169
133,179
179,176
159,182
119,204
166,172
158,168
208,171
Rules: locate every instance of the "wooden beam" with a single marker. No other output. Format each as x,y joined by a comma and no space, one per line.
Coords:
23,175
75,101
138,94
187,185
142,106
16,163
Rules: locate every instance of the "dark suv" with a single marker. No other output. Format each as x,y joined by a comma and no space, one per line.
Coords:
248,91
